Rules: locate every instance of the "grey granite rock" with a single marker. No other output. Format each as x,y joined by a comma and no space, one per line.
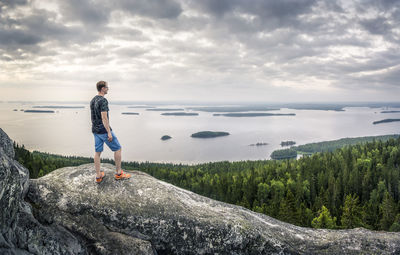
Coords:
177,221
20,232
6,145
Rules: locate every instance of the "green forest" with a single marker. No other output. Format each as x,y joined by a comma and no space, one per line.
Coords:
353,186
310,148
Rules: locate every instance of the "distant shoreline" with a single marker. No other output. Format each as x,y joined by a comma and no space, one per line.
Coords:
389,111
332,145
58,107
39,111
165,109
253,114
385,121
179,114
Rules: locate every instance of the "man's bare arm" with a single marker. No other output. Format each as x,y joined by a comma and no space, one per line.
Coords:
106,124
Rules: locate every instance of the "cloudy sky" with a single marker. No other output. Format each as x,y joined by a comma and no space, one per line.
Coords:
201,50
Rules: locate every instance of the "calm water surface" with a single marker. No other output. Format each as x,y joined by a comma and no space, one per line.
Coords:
68,131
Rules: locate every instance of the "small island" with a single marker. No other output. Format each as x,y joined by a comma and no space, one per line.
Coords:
385,121
284,154
258,144
389,111
180,114
165,109
287,143
165,137
57,107
39,111
130,113
209,134
252,114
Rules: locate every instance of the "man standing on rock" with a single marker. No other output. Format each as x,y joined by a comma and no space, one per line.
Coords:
103,133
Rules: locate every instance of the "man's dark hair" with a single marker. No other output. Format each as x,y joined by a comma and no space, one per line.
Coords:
100,85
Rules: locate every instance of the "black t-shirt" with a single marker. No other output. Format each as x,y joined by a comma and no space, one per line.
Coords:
97,105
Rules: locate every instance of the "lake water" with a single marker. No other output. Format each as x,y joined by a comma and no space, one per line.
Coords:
68,131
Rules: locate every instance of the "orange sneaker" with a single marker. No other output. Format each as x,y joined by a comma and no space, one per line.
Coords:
122,176
100,179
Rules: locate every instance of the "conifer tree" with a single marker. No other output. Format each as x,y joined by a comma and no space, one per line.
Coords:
396,224
287,210
324,220
351,216
388,211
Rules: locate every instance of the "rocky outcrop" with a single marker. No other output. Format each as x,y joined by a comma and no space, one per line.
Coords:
177,221
20,232
74,215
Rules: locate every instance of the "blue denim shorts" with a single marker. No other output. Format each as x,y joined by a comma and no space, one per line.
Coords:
100,139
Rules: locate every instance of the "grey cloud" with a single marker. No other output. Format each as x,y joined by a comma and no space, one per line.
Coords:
129,52
332,5
216,8
295,38
385,22
380,4
272,13
183,23
86,11
379,71
285,46
10,4
163,9
11,33
267,16
378,25
392,77
95,15
13,2
263,8
376,62
18,37
27,32
387,81
283,10
128,34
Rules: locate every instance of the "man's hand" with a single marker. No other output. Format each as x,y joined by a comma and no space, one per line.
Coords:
109,137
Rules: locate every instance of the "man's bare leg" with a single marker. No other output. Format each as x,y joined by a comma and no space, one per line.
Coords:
97,163
117,159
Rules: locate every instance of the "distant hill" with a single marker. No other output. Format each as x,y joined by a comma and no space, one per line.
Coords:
331,145
385,121
389,111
